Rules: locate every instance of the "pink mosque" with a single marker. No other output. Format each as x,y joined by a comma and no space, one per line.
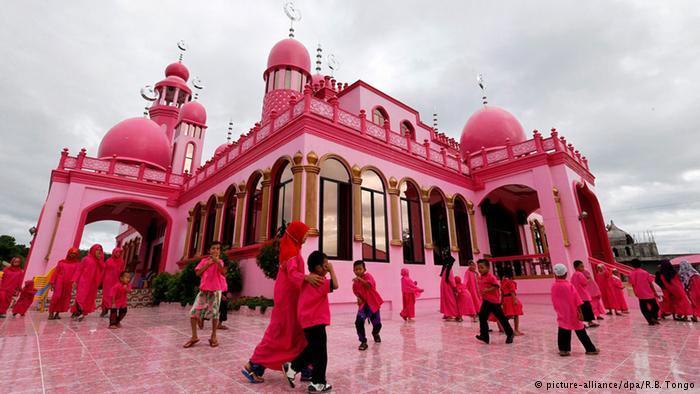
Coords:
360,167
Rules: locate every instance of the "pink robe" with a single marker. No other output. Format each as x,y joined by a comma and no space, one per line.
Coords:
694,294
511,304
113,268
284,338
465,306
448,301
606,288
594,291
471,281
62,281
88,277
26,299
11,283
566,302
619,293
679,303
410,291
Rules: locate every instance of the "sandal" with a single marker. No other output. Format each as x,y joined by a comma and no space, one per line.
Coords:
251,376
190,343
213,342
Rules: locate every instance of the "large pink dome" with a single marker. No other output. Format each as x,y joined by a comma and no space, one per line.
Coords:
193,112
178,70
489,127
289,52
139,140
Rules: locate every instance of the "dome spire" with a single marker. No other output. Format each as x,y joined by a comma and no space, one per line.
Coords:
294,15
319,56
482,85
230,131
182,46
198,85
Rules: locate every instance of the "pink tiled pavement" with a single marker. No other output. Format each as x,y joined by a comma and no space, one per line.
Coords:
426,356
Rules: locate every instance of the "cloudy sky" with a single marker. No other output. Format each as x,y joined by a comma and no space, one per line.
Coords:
620,79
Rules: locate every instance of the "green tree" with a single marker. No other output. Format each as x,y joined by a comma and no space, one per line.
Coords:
9,248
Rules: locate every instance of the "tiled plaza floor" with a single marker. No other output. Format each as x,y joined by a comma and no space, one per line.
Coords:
426,356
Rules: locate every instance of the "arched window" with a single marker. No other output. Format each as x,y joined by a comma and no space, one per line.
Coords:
462,231
628,251
229,223
336,211
538,237
194,234
411,225
379,115
189,158
282,198
407,129
616,253
375,242
438,224
254,210
209,225
288,79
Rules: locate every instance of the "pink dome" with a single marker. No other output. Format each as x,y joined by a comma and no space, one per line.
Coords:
489,127
193,112
289,52
137,139
178,70
174,81
221,148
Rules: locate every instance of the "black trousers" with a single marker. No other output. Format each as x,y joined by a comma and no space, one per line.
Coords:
366,314
116,316
587,311
564,340
315,353
488,308
649,308
223,310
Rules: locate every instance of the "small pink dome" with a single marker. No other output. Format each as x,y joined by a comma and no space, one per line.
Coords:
178,70
174,81
221,148
193,112
137,139
489,127
289,52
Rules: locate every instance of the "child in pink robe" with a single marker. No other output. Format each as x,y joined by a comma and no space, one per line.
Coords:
284,338
567,305
471,281
603,278
62,283
596,298
114,266
119,300
11,283
677,299
580,283
512,307
619,291
690,278
465,307
410,291
491,303
448,300
26,298
88,277
368,301
642,284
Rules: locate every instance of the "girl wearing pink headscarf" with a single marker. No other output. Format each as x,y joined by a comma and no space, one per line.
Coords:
410,291
114,266
619,292
471,281
604,279
465,306
11,283
596,298
62,283
88,277
448,300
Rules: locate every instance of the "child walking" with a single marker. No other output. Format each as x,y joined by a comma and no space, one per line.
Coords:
512,307
580,283
619,291
118,303
26,298
410,291
491,303
567,305
368,301
642,284
62,283
212,272
314,314
10,284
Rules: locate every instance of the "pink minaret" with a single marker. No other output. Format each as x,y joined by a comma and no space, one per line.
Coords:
287,72
173,92
188,139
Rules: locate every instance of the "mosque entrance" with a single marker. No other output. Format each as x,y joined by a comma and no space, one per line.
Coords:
593,224
144,233
438,225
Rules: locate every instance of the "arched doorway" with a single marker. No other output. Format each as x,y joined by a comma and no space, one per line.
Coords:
210,225
438,224
462,230
151,223
593,224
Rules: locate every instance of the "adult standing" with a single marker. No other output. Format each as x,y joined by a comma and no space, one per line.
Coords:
87,278
691,282
114,266
471,281
62,283
448,299
11,283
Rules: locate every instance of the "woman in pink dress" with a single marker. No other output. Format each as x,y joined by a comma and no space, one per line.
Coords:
619,292
448,300
678,300
284,338
471,281
11,283
691,282
410,291
62,283
88,277
604,279
114,266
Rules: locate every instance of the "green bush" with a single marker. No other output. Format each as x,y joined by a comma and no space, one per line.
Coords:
269,254
159,287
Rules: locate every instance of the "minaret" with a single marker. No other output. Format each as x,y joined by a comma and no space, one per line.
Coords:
189,135
172,93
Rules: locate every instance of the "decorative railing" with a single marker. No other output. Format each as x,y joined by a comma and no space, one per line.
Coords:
510,152
118,168
531,266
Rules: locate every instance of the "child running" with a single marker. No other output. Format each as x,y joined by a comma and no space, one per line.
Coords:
314,314
512,307
410,291
26,298
118,302
491,303
567,305
580,283
11,283
368,301
212,272
642,284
